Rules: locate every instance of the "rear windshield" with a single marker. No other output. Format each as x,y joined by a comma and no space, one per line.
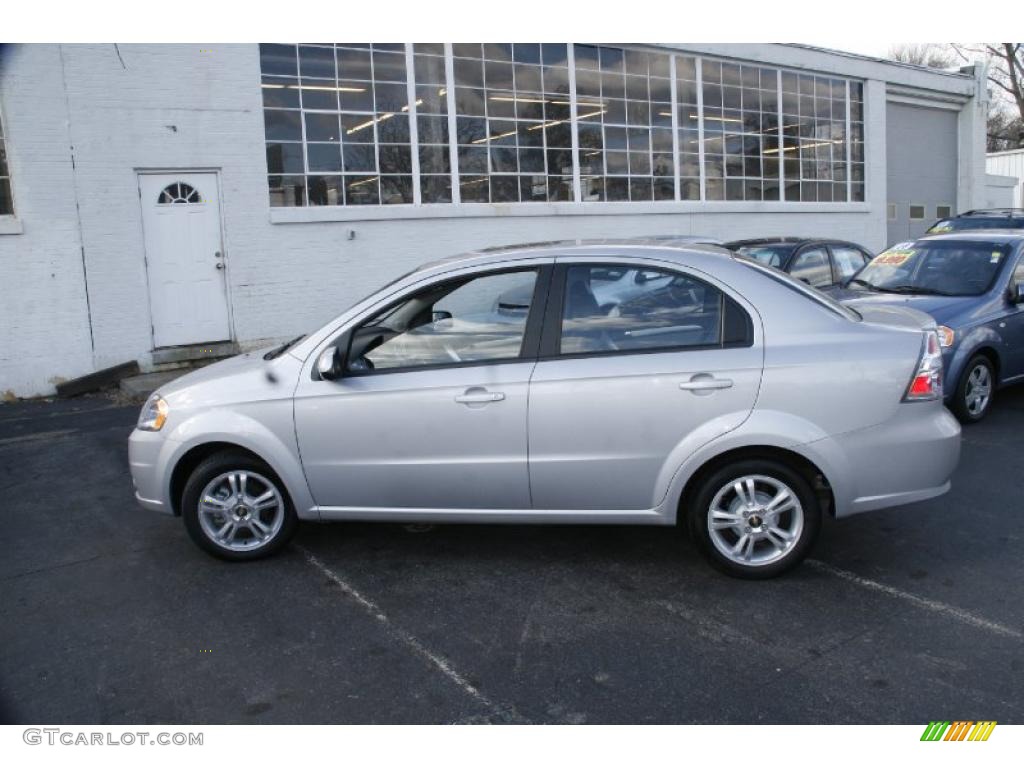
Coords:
935,267
802,288
975,222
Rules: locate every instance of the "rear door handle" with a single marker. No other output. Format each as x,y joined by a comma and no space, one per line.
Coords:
704,382
478,396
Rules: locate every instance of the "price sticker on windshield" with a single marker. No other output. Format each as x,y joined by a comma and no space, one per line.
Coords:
893,257
996,256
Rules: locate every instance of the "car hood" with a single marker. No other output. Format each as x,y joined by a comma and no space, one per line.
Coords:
237,379
942,308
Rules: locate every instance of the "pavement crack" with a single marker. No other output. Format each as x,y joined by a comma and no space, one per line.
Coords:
502,712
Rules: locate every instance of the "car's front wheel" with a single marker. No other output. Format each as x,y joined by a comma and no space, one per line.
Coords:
236,508
975,390
754,518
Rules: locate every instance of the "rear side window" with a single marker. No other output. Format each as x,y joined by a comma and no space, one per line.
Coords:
811,266
663,310
849,260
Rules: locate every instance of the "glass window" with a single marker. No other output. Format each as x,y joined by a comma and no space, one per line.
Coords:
513,132
811,266
339,121
849,260
6,200
619,308
943,211
464,321
337,124
916,212
624,111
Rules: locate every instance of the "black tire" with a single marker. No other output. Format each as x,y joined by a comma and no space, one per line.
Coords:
207,471
772,470
961,406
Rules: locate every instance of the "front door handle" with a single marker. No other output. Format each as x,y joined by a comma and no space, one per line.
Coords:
705,382
478,396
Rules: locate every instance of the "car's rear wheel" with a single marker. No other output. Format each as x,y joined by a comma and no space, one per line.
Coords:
754,518
975,390
236,508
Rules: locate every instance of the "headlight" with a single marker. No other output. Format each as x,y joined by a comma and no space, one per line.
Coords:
946,336
154,414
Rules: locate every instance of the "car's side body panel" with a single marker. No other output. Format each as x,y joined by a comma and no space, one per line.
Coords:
632,468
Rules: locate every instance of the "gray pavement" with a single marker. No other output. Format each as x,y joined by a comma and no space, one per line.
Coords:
111,615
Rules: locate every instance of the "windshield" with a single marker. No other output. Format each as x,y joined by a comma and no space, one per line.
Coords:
772,255
800,287
937,267
974,222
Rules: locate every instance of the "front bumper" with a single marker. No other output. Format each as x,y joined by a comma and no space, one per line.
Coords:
145,460
906,459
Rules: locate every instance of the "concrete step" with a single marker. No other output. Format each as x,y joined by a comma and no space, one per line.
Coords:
142,386
194,352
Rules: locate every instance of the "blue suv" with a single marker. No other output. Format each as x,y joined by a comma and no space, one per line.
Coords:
972,283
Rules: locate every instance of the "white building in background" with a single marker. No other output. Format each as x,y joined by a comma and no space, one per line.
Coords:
155,199
1006,179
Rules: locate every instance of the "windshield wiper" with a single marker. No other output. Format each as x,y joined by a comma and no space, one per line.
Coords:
913,289
281,349
865,283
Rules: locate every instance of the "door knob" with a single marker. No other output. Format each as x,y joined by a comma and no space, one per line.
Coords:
704,382
479,396
219,265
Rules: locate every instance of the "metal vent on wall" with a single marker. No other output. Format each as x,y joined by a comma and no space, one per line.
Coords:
179,192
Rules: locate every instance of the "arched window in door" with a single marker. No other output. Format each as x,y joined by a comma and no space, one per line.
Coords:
179,192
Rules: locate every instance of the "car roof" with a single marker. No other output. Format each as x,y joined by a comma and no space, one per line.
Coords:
787,240
1009,213
1010,236
671,247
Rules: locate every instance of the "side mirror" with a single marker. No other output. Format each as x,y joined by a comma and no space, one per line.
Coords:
1017,293
331,363
439,314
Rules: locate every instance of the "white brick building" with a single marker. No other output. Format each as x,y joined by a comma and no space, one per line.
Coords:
288,217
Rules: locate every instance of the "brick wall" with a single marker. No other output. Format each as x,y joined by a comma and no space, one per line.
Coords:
177,107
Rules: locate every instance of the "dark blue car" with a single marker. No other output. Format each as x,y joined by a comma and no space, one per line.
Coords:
972,283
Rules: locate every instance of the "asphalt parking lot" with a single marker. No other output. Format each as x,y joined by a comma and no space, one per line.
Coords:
111,615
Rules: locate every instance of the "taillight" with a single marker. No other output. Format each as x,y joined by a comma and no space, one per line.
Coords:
927,381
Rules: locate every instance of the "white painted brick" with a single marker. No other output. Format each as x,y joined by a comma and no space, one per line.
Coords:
175,107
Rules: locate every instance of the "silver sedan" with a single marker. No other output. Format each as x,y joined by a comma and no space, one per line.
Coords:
725,397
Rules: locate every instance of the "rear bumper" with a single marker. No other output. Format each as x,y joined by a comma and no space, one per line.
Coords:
907,459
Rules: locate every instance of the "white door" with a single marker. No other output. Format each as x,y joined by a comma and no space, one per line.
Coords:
184,258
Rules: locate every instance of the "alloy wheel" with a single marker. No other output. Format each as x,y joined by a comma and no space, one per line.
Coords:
755,520
979,389
241,510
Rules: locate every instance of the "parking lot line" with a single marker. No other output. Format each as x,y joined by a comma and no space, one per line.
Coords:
503,712
921,602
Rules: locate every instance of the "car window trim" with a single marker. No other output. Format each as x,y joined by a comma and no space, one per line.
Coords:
531,332
551,335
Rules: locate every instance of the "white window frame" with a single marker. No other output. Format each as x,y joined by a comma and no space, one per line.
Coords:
458,209
10,224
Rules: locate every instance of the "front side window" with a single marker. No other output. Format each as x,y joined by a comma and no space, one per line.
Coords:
6,200
665,310
938,267
849,260
812,267
473,320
